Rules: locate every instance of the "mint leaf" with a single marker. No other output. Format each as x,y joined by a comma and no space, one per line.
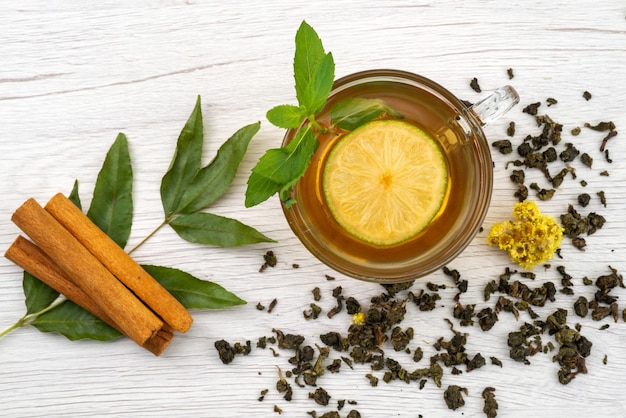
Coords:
192,292
212,181
280,168
210,229
112,204
286,116
309,53
38,294
185,163
321,84
351,113
75,323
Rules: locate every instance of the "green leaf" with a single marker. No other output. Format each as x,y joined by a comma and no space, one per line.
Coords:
280,168
351,113
260,189
185,163
38,294
112,204
212,181
286,116
192,292
74,197
308,56
321,84
74,323
210,229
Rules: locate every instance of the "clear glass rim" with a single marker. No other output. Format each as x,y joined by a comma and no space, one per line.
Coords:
404,273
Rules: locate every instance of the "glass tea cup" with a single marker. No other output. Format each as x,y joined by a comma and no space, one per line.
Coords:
456,128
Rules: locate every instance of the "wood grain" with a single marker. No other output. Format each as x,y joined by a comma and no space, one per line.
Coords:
73,76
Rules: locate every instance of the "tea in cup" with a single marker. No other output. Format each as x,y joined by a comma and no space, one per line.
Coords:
401,196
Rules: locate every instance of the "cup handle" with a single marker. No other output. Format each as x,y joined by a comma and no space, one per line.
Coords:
494,105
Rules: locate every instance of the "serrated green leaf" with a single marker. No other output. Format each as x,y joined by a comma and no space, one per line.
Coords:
210,229
191,292
309,53
260,189
351,113
321,84
280,168
74,197
38,294
185,164
212,181
112,204
286,116
75,323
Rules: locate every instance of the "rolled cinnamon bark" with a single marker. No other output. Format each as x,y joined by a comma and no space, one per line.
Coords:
115,259
134,319
33,260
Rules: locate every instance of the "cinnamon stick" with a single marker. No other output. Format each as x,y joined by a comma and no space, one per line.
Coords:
30,257
81,267
115,259
33,260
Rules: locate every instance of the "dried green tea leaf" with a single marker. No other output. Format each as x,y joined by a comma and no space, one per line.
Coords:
112,203
38,294
185,163
191,292
75,323
453,396
212,181
210,229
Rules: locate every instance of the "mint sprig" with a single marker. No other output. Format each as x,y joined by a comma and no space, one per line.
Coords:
279,169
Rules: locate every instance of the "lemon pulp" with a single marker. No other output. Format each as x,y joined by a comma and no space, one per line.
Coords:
385,181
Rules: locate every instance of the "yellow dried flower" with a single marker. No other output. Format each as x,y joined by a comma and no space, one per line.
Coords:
358,318
531,239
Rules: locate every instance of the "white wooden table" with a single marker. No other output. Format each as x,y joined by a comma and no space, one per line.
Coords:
73,75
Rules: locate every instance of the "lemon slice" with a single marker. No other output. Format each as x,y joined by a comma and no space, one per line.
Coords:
385,181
